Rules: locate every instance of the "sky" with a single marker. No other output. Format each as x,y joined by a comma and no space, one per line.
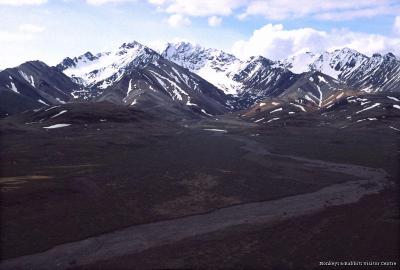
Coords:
50,30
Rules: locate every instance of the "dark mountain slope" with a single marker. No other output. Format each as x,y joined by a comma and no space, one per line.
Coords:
32,85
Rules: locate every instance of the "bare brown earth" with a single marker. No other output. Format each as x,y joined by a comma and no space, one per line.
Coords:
66,185
356,232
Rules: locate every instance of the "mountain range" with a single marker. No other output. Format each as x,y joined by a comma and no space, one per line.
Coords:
188,80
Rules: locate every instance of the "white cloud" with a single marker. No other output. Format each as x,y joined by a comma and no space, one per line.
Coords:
275,42
199,7
102,2
324,10
25,32
281,9
30,28
178,20
214,21
7,36
22,2
157,2
358,13
396,25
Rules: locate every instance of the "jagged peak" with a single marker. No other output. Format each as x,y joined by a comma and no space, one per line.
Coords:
88,55
35,63
134,48
342,54
347,50
131,45
257,58
380,58
181,47
390,56
260,59
191,47
186,45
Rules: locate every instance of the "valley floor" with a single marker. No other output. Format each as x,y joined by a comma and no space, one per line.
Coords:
220,193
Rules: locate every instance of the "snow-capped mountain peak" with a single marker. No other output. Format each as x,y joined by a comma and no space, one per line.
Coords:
89,56
351,67
339,62
333,63
195,57
299,63
91,69
259,60
216,66
131,45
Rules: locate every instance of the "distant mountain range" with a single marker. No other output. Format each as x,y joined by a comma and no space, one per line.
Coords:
190,80
349,67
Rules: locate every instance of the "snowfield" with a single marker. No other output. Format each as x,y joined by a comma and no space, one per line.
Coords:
57,126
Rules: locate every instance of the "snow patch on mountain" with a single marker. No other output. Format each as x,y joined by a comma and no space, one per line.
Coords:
57,126
27,78
60,113
13,88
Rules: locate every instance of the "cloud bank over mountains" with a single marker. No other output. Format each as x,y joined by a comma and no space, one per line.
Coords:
276,42
270,9
280,9
272,28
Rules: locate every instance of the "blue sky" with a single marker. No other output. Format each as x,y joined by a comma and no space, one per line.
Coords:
50,30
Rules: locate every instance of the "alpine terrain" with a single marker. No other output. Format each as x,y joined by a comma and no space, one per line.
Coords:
192,158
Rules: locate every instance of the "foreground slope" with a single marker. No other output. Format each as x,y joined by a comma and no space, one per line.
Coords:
95,168
343,110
